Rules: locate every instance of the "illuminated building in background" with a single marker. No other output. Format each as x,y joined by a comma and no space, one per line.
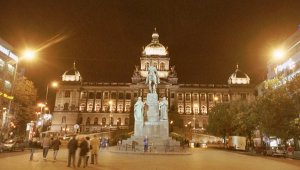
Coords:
97,106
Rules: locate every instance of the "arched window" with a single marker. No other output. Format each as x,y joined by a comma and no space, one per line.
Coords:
104,121
82,107
97,107
188,109
88,121
147,66
203,109
105,108
66,106
96,121
180,109
127,108
155,65
118,121
120,108
196,109
162,66
90,107
126,121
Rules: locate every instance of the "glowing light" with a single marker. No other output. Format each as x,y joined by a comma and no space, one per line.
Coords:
29,54
279,54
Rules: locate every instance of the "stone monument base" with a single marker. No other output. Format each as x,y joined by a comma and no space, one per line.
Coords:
156,129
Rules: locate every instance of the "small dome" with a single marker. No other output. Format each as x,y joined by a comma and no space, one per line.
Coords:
71,75
238,77
155,48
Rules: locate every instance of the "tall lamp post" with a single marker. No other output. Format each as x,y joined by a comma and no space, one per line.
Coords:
110,116
54,85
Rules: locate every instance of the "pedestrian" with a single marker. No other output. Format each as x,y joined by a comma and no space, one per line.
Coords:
89,148
94,150
55,145
46,143
72,147
146,144
83,152
32,145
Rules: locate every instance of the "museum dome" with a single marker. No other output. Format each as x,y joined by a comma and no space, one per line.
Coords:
238,77
155,48
72,74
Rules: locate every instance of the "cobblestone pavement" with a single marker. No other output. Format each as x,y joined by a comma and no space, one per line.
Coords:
199,159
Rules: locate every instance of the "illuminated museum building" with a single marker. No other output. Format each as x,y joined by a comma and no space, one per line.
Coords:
8,62
96,105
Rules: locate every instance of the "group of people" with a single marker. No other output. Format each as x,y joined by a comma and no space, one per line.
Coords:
87,147
46,143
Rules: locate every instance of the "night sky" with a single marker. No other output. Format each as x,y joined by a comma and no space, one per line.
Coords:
205,38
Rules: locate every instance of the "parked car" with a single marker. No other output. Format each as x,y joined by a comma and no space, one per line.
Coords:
13,145
276,151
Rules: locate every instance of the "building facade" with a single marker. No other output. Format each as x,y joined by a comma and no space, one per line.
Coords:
8,61
96,106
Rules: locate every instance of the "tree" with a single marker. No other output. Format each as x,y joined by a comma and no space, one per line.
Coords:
24,103
220,121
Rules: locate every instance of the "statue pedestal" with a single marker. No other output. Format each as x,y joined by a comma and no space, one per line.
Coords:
138,128
152,103
157,129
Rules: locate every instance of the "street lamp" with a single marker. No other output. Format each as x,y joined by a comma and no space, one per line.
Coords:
110,115
216,98
54,85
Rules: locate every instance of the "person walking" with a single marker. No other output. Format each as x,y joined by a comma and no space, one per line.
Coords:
72,147
46,145
32,145
89,148
55,145
83,152
95,143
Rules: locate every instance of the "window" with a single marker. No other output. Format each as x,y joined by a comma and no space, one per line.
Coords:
196,109
127,108
225,98
135,95
83,95
188,109
82,107
67,93
162,66
88,121
180,96
203,109
96,121
187,97
146,66
10,68
66,106
180,109
73,107
195,96
155,65
202,97
90,107
119,122
126,121
121,96
210,97
97,108
113,95
128,96
7,85
91,95
172,95
105,95
120,108
99,95
104,121
243,96
105,108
